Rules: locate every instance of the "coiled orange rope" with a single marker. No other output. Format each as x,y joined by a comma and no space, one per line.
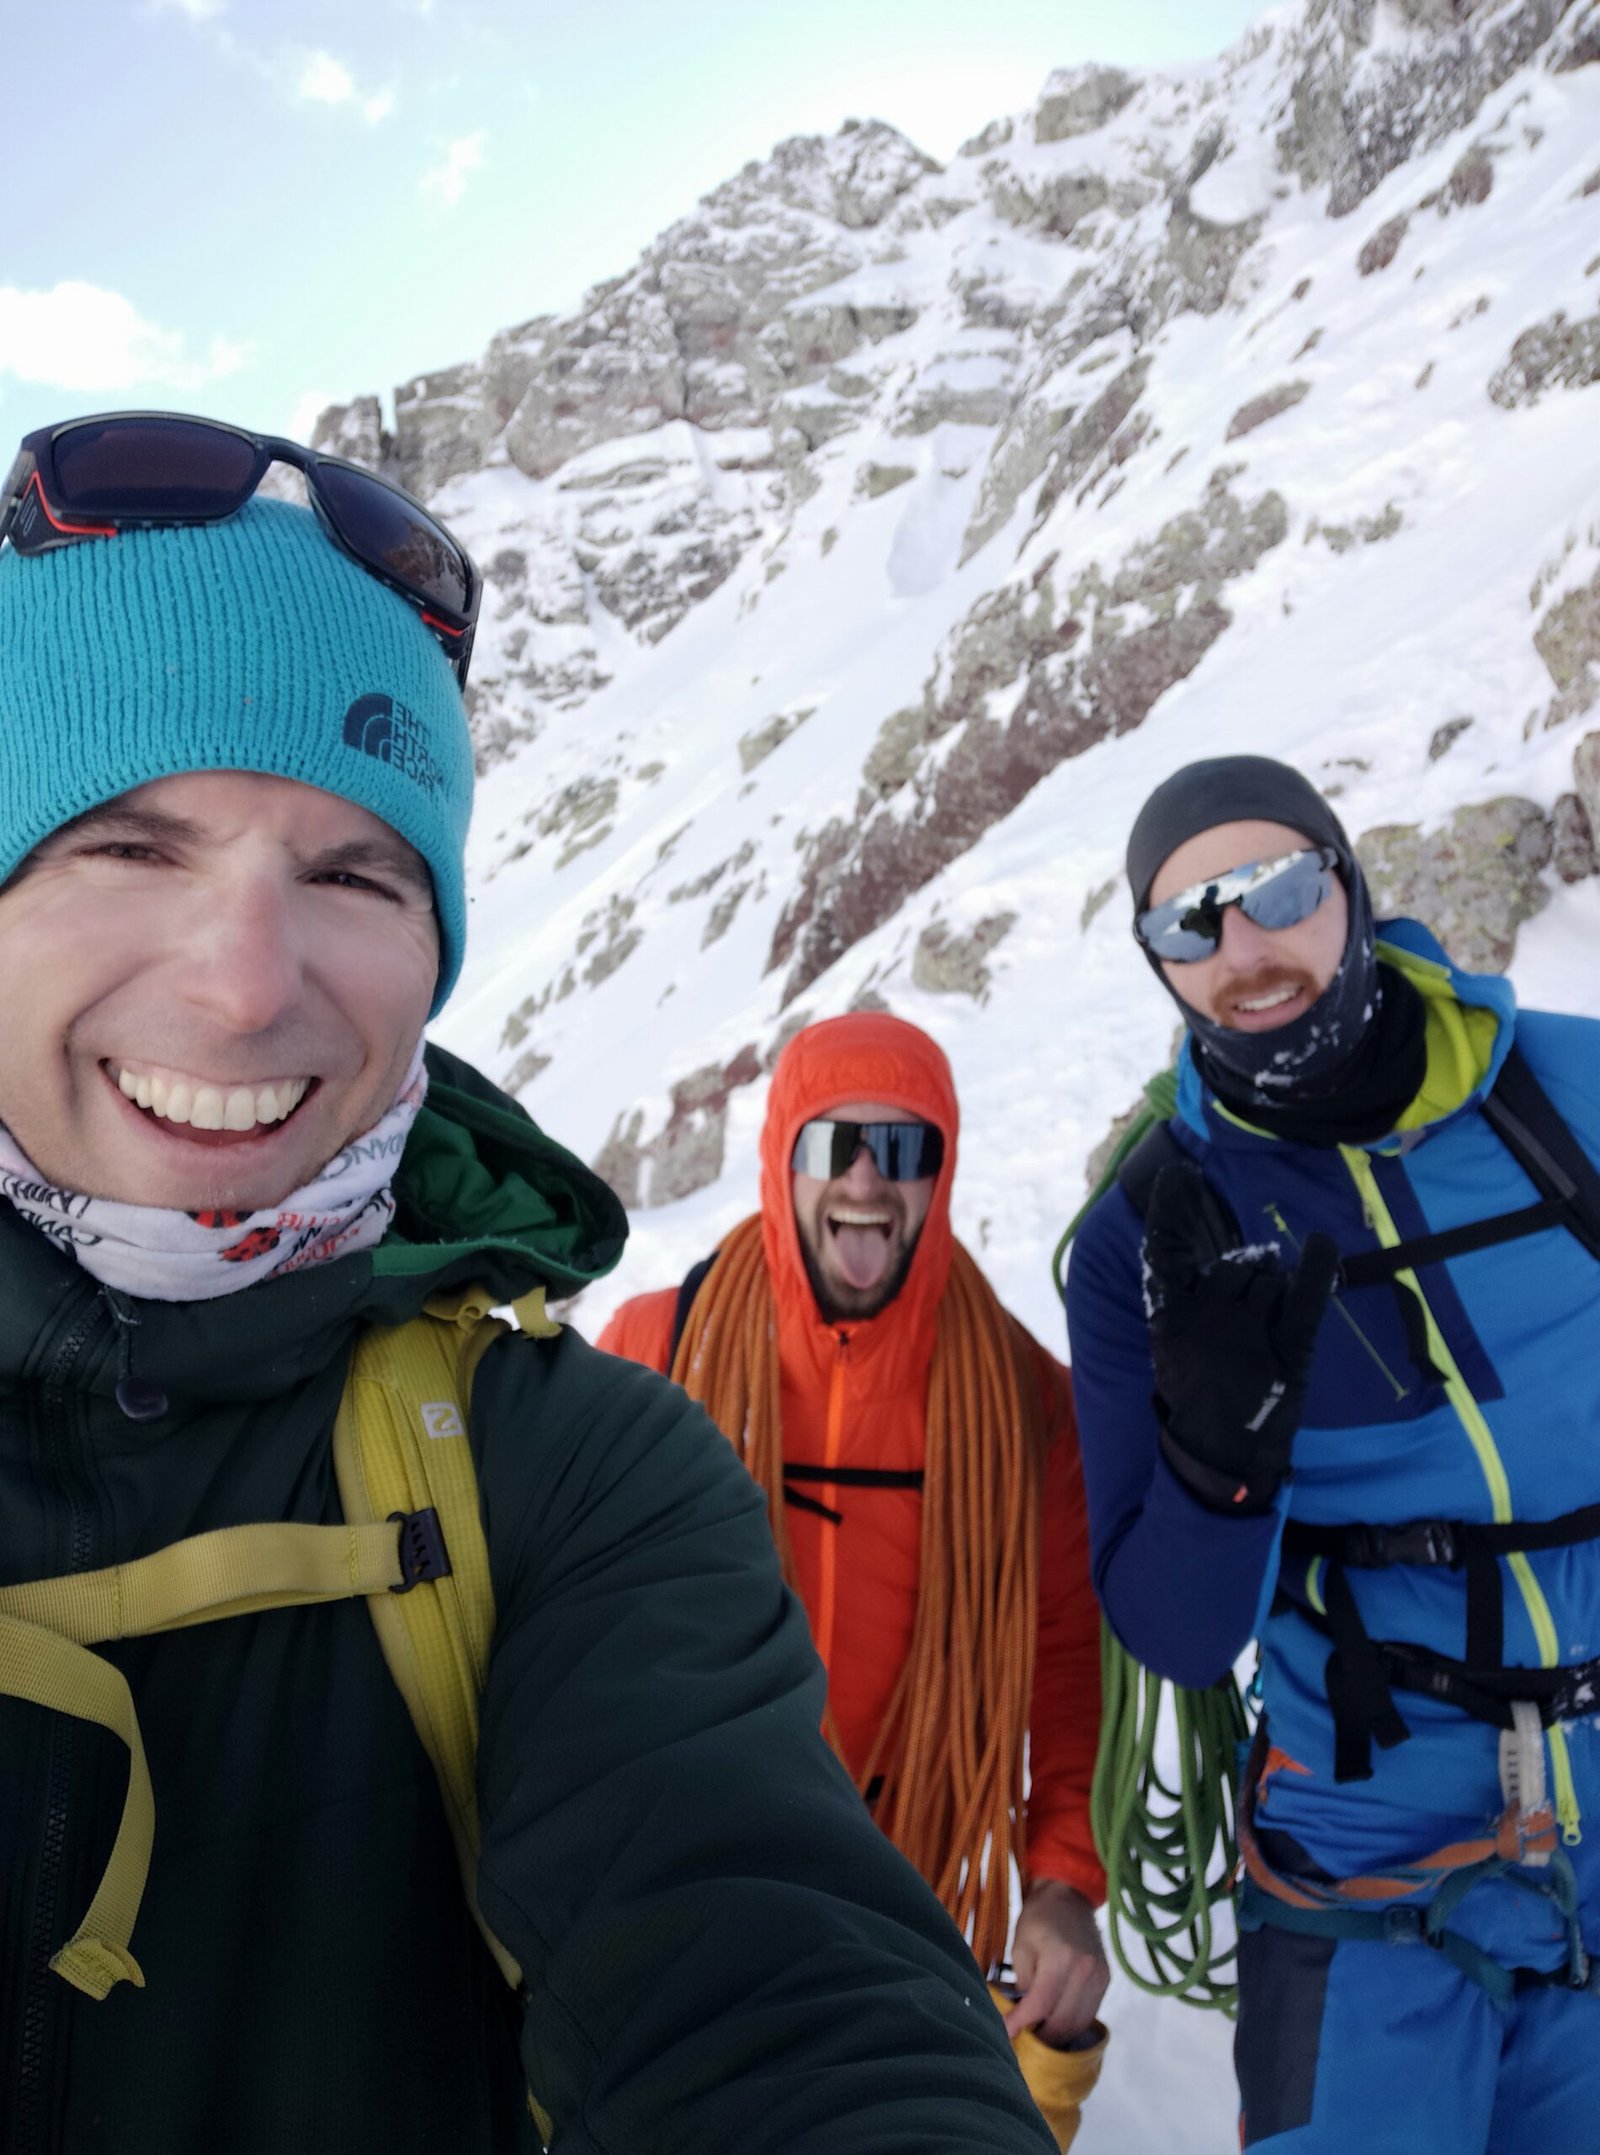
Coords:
950,1750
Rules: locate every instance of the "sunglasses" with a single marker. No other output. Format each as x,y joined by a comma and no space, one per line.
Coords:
135,471
901,1151
1274,894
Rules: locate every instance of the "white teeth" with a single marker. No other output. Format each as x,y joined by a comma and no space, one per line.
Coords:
205,1106
206,1109
1270,1001
239,1109
860,1219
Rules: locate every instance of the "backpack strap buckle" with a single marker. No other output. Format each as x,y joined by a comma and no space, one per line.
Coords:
423,1555
1420,1541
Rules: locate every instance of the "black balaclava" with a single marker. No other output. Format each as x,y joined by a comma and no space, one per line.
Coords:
1344,1070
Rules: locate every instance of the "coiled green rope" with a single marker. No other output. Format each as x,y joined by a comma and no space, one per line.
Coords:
1169,1852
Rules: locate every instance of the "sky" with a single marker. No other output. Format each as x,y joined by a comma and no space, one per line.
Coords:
258,207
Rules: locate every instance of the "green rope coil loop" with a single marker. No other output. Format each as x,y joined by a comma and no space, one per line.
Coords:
1170,1852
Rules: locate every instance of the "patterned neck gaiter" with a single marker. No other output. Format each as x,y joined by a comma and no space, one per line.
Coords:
164,1256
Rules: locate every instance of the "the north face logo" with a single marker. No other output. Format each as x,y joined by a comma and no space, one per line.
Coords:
380,727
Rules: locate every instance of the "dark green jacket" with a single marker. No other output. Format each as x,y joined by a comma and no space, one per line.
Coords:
720,1951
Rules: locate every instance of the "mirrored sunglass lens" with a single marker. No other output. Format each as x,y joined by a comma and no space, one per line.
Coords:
901,1151
1289,897
398,540
154,467
1180,930
911,1151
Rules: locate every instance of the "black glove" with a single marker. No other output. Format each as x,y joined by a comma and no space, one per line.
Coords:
1231,1336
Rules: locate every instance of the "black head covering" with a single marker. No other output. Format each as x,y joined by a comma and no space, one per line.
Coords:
1229,789
1345,1069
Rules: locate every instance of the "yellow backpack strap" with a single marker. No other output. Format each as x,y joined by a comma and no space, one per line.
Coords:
400,1446
48,1625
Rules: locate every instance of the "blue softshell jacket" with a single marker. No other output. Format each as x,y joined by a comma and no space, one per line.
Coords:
1513,1433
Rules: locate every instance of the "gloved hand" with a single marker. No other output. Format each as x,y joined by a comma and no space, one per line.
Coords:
1231,1335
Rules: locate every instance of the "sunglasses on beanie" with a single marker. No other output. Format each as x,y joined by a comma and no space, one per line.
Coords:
901,1151
1274,894
134,471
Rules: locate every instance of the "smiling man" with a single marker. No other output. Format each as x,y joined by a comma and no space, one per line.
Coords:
919,1457
235,777
1367,1288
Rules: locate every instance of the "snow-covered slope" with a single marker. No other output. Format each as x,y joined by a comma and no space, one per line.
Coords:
862,558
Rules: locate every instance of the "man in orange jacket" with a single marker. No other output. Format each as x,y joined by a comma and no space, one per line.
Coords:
920,1457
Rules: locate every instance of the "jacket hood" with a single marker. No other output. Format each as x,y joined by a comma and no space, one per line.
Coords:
482,1194
866,1055
1470,1021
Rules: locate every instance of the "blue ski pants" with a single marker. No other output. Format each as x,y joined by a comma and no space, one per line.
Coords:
1346,2047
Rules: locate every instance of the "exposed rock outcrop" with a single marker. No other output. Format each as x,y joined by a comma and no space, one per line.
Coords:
1474,882
1568,640
1079,101
1553,354
686,1153
1028,683
1586,778
1269,405
949,964
1361,104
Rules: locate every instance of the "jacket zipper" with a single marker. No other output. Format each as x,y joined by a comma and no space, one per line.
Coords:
56,1433
830,1542
1474,1421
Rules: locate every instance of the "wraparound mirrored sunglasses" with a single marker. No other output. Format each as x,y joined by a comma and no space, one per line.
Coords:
133,471
901,1151
1274,894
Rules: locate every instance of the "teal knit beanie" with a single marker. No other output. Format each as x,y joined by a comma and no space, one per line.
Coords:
249,645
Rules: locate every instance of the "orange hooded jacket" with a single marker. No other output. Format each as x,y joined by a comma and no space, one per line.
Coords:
854,1395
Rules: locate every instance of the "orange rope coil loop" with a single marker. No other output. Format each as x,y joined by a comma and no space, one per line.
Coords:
950,1750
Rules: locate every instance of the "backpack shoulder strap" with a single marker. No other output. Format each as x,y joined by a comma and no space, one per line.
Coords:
693,1280
400,1445
1148,1121
1532,1129
1137,1171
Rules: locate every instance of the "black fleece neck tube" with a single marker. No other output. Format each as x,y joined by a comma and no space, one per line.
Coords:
1347,1067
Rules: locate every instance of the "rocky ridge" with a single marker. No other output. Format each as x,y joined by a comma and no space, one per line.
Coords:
844,554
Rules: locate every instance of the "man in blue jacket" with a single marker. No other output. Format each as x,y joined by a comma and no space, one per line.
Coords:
1367,1285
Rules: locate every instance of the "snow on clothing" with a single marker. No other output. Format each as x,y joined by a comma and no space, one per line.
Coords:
719,1954
855,1396
171,1256
1514,1433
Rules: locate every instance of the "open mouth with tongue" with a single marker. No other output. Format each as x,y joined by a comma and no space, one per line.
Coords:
861,1241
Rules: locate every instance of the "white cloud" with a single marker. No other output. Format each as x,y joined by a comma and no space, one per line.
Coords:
323,79
447,181
80,337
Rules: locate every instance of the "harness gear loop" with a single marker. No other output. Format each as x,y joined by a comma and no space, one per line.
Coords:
1342,1908
1522,1783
